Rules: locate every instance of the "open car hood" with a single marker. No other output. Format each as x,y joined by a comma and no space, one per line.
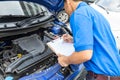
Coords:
52,5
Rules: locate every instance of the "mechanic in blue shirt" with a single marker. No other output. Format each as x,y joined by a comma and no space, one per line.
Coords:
94,42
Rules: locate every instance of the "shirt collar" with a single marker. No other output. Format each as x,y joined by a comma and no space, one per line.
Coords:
82,4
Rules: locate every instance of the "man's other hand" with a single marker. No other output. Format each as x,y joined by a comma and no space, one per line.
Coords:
63,60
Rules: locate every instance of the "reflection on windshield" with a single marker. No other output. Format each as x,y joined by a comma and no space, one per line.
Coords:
20,8
10,8
111,5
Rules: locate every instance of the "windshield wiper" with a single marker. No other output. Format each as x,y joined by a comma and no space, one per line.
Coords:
12,18
28,21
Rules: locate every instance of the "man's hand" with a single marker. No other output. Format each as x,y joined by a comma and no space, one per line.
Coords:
63,60
67,38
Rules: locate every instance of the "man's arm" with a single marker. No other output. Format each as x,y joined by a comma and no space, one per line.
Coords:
80,57
75,58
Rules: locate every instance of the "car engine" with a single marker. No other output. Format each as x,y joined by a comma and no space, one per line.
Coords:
25,54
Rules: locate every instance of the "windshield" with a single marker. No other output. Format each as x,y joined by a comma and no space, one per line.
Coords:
20,8
110,5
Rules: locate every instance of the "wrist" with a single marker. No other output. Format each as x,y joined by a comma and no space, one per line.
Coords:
68,60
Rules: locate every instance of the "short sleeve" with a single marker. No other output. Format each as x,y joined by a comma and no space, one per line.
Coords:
82,32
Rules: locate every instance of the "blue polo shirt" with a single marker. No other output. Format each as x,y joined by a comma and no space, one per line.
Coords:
91,31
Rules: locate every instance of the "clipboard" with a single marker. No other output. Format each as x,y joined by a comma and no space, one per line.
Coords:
59,46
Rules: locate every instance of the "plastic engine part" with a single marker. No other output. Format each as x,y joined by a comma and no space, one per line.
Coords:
50,73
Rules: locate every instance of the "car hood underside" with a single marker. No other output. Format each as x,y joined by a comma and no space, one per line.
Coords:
52,5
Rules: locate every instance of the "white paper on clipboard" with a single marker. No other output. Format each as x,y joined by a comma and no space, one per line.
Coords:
61,47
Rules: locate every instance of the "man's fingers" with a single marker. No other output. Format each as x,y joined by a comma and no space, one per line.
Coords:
64,65
64,36
67,38
59,55
56,37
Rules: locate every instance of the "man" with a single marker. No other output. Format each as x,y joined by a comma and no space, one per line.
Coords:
94,43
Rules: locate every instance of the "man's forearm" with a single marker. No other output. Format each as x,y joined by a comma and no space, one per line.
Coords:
80,57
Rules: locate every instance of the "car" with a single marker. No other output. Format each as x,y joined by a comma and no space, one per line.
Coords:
25,28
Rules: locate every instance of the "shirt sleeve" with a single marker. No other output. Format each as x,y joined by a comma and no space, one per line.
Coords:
82,32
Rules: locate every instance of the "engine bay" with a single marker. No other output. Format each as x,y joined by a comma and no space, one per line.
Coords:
26,54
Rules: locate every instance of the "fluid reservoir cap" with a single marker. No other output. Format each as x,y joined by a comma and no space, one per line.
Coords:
9,78
56,29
